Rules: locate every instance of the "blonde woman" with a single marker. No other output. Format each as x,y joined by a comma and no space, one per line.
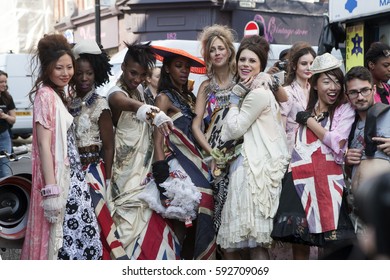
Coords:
212,104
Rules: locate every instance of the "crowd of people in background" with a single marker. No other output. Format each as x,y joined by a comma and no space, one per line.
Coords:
244,166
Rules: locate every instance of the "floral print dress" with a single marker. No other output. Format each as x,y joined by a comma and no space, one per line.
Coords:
81,231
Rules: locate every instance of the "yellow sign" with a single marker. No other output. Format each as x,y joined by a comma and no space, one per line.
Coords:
354,46
23,113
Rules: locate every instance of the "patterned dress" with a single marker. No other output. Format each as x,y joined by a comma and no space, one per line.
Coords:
75,238
81,230
313,208
217,107
86,113
185,156
137,224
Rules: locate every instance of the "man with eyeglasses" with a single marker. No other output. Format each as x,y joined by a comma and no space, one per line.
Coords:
369,141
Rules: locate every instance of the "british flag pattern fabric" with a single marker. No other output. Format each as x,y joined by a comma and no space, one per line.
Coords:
318,181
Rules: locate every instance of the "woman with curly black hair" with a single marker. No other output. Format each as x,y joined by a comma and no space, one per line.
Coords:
90,111
95,136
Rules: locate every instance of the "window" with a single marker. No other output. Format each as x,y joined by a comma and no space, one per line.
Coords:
89,4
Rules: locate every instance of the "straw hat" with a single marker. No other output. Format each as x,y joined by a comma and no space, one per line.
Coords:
324,63
197,65
86,46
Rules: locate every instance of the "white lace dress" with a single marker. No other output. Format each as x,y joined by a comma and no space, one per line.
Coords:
255,176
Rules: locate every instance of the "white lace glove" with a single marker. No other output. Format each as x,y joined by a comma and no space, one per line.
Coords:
152,115
52,202
263,80
144,112
161,118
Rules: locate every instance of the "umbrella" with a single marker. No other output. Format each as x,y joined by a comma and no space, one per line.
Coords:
197,65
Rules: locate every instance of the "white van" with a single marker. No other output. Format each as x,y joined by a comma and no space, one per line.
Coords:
20,82
193,47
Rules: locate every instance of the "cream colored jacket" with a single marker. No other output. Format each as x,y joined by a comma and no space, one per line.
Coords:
258,119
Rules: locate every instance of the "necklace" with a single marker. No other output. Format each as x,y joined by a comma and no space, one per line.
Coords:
214,86
77,103
221,96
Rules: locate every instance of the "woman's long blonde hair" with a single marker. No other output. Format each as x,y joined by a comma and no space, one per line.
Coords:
207,38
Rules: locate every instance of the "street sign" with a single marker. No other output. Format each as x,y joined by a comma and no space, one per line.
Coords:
253,28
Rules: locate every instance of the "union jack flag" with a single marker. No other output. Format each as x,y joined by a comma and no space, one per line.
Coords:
157,242
319,182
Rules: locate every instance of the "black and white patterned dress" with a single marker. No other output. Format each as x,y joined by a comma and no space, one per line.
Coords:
81,231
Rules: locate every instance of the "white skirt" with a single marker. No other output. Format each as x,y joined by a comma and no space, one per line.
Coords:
242,224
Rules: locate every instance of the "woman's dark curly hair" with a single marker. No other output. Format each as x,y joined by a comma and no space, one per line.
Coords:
376,51
100,64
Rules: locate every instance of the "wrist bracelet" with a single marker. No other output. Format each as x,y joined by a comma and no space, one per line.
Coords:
50,190
151,114
275,84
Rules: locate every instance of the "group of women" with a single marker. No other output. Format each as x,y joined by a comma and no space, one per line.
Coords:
245,163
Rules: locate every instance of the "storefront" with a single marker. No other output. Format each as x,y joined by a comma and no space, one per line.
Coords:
283,24
365,22
147,20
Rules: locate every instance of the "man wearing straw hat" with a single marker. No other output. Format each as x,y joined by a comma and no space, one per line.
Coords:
134,121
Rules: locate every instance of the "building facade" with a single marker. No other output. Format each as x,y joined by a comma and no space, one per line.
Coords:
285,21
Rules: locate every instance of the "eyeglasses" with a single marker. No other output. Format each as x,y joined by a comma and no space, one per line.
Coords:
355,93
